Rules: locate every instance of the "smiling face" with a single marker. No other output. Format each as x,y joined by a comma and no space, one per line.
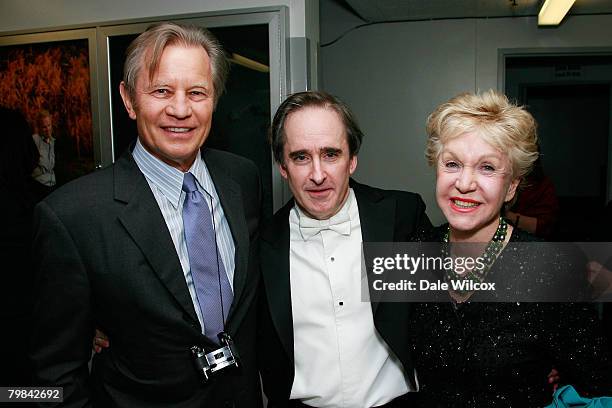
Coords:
474,180
316,161
173,112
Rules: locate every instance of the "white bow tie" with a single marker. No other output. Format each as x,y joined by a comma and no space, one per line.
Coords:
341,223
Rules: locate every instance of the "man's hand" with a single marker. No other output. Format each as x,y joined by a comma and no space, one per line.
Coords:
100,341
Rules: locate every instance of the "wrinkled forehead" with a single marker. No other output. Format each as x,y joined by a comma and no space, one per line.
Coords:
315,124
150,61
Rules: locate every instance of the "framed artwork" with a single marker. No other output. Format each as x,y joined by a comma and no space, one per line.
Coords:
54,74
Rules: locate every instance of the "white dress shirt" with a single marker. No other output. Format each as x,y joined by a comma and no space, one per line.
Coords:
340,359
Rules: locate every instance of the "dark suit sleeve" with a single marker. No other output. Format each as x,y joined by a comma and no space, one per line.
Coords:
411,217
423,223
258,199
62,321
572,333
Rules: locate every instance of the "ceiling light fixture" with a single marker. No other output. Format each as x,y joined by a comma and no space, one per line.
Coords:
248,63
553,11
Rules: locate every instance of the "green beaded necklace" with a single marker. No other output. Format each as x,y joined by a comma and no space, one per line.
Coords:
489,256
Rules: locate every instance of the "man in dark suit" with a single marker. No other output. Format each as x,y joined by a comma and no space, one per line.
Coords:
121,249
321,345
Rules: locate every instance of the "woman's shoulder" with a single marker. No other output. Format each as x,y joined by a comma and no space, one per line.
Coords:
433,234
558,270
519,235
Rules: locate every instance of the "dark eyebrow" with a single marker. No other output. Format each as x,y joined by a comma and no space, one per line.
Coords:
331,150
297,153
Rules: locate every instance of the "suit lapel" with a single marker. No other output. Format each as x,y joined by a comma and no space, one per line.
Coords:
377,217
275,270
145,223
231,200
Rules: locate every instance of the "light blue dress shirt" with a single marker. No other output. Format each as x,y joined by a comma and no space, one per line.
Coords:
166,184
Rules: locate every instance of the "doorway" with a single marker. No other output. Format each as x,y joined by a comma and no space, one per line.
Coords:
569,97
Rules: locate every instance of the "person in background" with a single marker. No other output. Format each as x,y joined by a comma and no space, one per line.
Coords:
536,208
158,250
44,173
470,353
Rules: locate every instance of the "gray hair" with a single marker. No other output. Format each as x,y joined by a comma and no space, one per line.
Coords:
151,44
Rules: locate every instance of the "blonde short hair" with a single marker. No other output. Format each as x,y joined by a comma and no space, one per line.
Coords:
505,126
43,113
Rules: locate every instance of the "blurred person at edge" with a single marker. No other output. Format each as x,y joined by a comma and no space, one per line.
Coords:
113,248
496,354
18,157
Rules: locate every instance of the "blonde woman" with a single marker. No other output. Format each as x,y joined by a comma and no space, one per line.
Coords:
471,353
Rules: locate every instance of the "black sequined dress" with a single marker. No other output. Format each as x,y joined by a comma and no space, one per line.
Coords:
499,354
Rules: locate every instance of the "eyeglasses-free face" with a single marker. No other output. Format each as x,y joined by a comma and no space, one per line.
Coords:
474,180
317,163
173,112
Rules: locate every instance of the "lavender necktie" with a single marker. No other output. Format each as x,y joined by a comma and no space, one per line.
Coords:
207,270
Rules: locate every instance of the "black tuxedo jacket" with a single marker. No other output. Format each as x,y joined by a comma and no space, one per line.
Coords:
105,259
385,216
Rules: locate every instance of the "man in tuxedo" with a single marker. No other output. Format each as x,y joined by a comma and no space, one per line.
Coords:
320,344
158,250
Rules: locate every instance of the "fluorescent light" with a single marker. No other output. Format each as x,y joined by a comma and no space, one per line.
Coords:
553,11
248,63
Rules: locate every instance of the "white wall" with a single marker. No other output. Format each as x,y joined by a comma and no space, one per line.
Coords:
494,34
394,74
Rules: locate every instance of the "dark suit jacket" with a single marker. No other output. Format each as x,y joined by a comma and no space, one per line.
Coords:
106,259
385,216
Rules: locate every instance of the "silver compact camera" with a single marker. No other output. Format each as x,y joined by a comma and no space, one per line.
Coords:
217,360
